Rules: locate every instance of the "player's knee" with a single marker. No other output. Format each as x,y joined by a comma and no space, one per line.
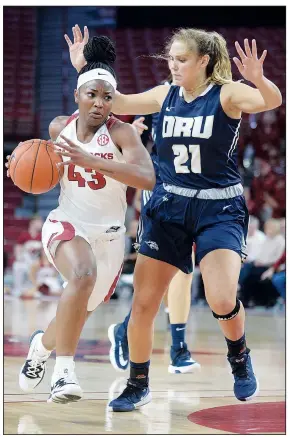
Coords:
227,311
143,309
84,277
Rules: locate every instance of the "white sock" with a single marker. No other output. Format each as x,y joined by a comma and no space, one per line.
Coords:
64,364
41,350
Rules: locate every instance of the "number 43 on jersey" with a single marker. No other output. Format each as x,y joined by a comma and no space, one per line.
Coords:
98,183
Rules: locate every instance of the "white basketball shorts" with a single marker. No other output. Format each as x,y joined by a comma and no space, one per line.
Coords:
108,248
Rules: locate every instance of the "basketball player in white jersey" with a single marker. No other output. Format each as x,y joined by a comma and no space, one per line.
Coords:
84,236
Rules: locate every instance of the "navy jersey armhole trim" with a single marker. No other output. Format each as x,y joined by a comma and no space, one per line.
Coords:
168,98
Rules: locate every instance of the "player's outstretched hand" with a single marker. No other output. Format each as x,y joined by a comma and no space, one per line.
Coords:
250,67
77,155
76,48
7,163
139,125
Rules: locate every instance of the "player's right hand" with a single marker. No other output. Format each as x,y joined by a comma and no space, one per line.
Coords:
7,165
76,49
139,125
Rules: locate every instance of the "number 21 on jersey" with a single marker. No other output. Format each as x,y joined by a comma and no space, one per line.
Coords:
181,153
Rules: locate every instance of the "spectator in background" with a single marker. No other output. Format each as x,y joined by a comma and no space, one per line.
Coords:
275,197
277,274
263,180
44,279
268,192
270,251
283,227
26,251
255,240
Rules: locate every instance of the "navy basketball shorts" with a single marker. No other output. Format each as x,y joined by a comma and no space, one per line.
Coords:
172,223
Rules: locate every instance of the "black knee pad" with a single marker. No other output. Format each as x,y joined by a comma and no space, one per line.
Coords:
231,315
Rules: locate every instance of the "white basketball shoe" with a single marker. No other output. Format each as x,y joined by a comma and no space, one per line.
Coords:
33,370
65,387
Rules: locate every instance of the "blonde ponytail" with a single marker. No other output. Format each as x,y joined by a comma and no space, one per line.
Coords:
221,72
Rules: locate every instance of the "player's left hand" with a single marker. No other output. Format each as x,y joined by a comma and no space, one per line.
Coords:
250,67
77,155
139,125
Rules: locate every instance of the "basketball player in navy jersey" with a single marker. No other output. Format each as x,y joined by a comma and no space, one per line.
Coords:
201,197
178,297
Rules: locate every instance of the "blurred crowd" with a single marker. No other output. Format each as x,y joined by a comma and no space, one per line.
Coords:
262,279
32,274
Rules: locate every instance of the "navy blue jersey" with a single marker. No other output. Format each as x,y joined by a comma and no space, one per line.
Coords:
196,141
155,118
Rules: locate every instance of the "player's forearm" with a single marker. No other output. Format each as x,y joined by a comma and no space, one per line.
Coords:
118,107
270,93
80,65
133,175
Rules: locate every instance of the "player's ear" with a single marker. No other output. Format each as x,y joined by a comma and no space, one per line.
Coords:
204,60
76,94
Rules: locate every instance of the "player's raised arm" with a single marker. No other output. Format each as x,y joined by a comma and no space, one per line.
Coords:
265,96
76,47
148,102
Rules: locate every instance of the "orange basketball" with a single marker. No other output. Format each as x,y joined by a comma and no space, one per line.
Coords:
32,166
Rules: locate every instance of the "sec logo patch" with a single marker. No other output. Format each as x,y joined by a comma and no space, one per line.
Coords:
103,140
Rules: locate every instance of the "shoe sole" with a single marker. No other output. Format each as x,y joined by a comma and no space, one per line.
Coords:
138,405
112,349
184,369
256,392
63,397
31,340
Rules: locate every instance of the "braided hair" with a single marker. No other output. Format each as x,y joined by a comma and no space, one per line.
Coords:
99,52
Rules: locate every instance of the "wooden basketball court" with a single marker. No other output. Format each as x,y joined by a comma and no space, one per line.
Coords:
200,403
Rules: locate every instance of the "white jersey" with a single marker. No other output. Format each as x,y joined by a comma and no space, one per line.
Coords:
88,197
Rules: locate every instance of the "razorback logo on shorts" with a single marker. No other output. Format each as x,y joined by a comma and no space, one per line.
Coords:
113,229
103,140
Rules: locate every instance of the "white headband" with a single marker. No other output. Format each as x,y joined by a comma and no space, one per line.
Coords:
97,73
